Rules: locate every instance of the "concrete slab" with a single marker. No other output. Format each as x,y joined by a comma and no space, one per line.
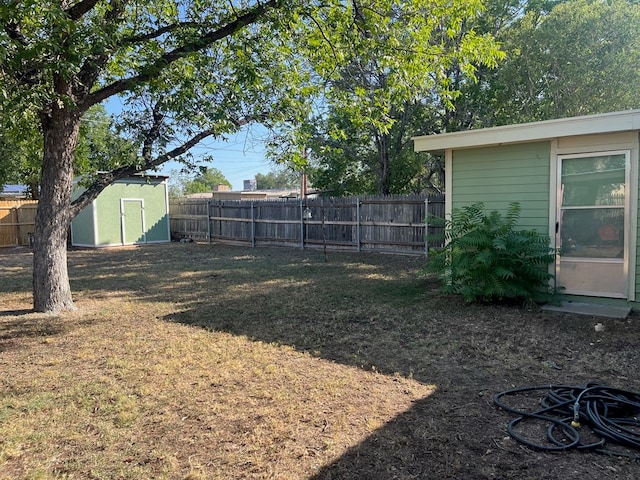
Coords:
593,309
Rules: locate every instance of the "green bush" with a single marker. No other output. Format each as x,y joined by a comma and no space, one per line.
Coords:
486,259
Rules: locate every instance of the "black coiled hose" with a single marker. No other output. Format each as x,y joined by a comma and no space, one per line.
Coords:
611,415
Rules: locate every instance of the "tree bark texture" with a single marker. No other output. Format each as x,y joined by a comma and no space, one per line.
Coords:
384,180
51,289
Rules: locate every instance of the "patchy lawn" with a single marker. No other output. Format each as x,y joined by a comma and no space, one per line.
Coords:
189,361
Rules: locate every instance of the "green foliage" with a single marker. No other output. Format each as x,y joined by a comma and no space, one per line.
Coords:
350,164
100,146
20,151
487,259
280,179
374,64
577,58
205,181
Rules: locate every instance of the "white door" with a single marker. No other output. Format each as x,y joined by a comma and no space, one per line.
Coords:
592,224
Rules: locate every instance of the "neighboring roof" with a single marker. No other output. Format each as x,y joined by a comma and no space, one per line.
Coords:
530,132
140,175
13,189
248,194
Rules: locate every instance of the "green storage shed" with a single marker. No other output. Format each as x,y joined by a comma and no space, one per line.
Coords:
130,211
576,179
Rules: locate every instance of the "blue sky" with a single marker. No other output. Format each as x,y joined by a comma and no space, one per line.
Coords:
239,158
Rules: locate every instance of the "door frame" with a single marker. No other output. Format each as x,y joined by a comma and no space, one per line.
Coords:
594,145
622,263
123,220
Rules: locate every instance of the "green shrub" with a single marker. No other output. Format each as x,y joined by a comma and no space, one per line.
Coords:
486,259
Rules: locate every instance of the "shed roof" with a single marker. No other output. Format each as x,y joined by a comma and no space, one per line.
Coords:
614,122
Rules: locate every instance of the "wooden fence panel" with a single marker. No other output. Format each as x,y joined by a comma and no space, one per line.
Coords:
333,222
277,222
390,223
231,220
17,221
188,219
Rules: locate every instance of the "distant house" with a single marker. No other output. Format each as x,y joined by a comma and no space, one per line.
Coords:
14,191
576,180
286,193
131,211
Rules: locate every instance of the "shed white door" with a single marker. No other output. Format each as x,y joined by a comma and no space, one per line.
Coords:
592,224
132,220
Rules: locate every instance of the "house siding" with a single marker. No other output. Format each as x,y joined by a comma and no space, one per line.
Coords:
499,175
514,163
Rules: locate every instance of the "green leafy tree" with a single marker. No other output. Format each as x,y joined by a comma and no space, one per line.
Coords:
486,258
398,53
575,57
279,179
100,147
61,58
20,149
205,181
349,165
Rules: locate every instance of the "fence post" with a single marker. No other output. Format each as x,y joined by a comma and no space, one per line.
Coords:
209,220
426,227
358,223
253,224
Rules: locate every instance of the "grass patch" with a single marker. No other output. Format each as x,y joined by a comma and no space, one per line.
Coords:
190,361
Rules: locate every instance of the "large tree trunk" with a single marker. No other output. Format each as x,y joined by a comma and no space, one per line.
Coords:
384,175
51,289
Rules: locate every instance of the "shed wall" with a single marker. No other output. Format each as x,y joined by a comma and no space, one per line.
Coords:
499,175
100,223
155,210
82,227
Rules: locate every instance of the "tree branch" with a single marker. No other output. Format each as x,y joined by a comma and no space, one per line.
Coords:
104,179
159,32
204,41
81,8
153,133
12,29
93,65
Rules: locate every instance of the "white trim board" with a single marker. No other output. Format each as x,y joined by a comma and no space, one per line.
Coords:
530,132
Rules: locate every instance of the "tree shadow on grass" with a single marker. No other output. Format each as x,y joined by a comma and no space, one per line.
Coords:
421,443
15,313
372,312
28,326
372,315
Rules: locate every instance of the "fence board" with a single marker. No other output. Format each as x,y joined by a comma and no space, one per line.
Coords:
17,221
389,223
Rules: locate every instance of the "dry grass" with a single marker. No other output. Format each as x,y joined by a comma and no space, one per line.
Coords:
190,361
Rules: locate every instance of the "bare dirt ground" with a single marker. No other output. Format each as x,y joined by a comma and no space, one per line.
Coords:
188,361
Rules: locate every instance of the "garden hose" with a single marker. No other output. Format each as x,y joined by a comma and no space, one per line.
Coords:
612,416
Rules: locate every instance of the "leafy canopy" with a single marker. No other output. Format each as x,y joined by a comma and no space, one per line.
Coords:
568,58
367,73
205,181
277,179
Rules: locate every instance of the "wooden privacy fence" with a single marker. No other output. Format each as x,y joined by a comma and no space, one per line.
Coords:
387,223
17,221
